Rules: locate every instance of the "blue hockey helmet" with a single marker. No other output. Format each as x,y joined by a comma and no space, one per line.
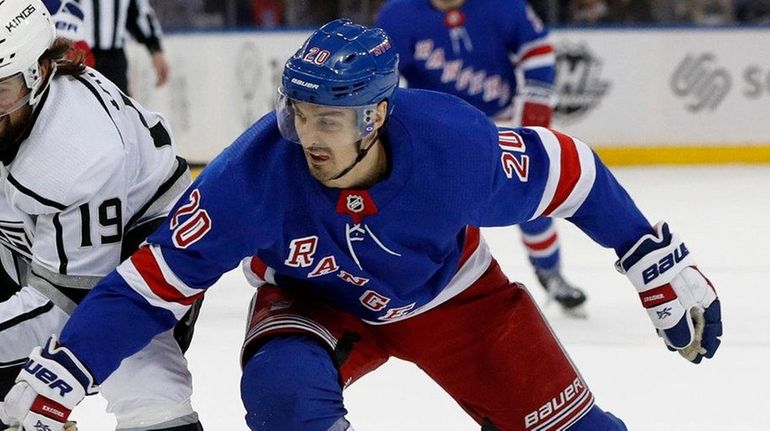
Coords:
341,64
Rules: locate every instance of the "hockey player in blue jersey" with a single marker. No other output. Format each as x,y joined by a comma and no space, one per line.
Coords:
355,209
465,48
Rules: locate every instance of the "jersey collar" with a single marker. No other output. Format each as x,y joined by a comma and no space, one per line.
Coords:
398,145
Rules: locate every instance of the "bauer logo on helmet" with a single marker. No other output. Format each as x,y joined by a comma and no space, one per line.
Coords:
309,85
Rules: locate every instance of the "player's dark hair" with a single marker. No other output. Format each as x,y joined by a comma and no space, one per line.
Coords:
69,61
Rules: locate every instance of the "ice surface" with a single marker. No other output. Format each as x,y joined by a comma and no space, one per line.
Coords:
722,214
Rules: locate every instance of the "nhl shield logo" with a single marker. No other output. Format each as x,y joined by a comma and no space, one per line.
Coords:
580,85
355,203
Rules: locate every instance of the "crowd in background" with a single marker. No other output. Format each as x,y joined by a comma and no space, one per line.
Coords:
201,14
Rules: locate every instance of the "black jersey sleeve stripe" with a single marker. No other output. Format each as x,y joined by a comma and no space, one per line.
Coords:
35,196
160,136
181,168
95,93
127,101
29,315
60,244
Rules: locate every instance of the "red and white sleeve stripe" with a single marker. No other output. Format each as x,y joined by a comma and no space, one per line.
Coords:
149,275
257,272
538,53
571,174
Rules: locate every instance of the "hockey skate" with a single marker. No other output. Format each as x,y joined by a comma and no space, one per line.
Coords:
569,297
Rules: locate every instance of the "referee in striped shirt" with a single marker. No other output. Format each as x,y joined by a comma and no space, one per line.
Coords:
109,22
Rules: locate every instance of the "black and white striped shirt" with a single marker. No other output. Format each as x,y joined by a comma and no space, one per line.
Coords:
108,22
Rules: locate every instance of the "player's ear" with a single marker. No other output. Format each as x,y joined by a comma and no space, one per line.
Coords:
381,114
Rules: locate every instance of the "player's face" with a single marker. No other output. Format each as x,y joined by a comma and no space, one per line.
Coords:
329,138
14,107
447,4
13,93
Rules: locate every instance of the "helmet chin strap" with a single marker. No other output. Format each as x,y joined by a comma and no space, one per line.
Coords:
362,152
44,82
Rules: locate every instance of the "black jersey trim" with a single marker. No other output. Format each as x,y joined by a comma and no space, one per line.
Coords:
181,168
35,196
95,93
29,315
60,244
127,102
159,134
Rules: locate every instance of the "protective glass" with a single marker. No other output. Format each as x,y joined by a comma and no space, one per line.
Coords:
14,94
337,130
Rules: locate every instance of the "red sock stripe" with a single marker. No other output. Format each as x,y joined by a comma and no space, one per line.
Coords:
148,268
570,172
659,295
542,245
50,409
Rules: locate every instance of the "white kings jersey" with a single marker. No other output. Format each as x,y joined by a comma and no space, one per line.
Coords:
93,167
16,230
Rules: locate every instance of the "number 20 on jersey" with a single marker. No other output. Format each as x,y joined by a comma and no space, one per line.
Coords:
512,158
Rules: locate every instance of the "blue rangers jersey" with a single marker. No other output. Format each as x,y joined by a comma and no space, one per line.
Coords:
404,246
472,52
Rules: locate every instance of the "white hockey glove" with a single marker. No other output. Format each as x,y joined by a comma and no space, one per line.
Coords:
681,302
51,383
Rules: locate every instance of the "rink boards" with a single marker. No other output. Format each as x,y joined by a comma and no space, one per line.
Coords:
643,96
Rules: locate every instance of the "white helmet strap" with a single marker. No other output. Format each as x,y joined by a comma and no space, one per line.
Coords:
32,75
34,81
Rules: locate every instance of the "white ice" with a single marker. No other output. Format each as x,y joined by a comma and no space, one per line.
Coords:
721,212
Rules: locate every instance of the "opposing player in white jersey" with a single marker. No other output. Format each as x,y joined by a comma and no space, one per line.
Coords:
86,175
